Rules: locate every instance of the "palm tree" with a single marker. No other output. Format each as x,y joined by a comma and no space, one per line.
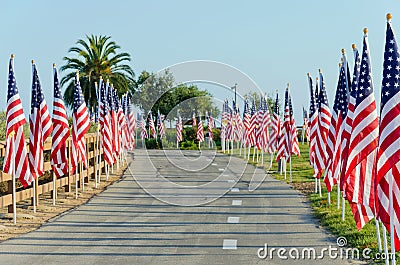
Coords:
97,56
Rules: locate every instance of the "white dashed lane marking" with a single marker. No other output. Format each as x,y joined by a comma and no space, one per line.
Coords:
233,219
235,189
229,244
237,202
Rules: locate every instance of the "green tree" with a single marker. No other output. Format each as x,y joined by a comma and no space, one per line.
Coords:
270,100
94,57
158,92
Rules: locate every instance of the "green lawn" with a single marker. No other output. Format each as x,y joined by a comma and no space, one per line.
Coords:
328,215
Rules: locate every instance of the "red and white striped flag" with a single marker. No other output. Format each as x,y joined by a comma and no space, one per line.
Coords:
275,127
105,124
131,124
160,124
253,124
40,126
179,128
80,126
16,160
60,134
323,123
388,167
113,122
265,124
246,123
334,140
126,136
152,126
313,116
120,122
288,143
363,145
143,131
259,130
294,140
200,132
210,125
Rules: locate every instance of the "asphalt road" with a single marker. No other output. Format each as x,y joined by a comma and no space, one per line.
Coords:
179,208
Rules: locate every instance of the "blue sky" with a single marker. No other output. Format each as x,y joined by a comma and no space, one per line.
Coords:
274,42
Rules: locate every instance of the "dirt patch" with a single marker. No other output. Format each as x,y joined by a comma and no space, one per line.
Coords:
304,187
28,221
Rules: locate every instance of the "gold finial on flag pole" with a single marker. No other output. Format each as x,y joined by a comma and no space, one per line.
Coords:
54,65
365,31
33,61
12,55
353,46
388,17
343,51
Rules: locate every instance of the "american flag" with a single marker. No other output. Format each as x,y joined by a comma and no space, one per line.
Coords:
246,122
228,127
16,160
253,124
294,140
239,125
126,137
346,130
266,123
388,181
131,124
324,120
306,126
259,125
179,128
334,141
235,132
143,131
160,124
284,140
60,134
40,127
152,126
200,132
105,124
361,164
223,123
120,122
80,125
210,125
275,127
113,122
313,116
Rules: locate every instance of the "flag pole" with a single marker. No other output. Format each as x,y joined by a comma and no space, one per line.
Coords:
76,182
385,247
316,185
378,234
338,194
391,212
14,199
284,161
34,194
343,206
290,166
54,189
82,176
319,187
329,198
